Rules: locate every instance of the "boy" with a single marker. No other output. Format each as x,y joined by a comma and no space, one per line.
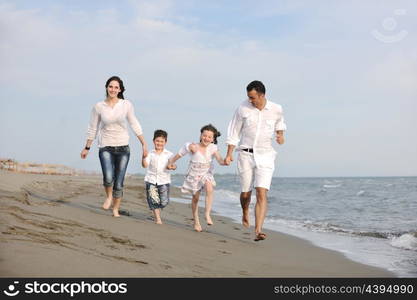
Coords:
157,179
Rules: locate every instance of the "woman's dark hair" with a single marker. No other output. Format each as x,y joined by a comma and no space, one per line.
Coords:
213,129
122,87
160,133
257,86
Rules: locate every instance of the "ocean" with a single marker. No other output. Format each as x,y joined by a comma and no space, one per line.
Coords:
372,220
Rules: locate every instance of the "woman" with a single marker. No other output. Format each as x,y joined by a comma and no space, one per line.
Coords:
108,120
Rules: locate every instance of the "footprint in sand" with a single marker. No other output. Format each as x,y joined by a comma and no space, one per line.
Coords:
225,252
236,228
166,267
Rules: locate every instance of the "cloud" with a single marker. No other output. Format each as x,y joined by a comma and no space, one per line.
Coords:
180,74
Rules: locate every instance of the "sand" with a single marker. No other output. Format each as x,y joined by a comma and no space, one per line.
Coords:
54,226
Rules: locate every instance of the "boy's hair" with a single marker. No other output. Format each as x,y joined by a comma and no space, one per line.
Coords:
213,129
257,86
160,133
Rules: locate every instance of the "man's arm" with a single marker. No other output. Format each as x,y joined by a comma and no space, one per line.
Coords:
229,156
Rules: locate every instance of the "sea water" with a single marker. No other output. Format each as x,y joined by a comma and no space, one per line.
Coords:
372,220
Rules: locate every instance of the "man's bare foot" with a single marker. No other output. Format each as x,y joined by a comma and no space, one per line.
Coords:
260,236
158,222
116,213
245,218
198,228
107,203
209,220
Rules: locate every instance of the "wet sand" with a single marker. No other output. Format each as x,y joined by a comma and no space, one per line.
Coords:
54,226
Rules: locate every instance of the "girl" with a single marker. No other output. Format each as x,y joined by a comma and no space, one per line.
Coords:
200,170
108,118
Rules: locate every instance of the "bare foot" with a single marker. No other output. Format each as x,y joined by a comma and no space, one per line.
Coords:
245,218
116,213
260,236
197,227
107,203
209,220
158,222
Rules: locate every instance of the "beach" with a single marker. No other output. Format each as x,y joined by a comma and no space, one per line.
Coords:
54,226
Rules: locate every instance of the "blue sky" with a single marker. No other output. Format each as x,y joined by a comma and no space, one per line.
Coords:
344,72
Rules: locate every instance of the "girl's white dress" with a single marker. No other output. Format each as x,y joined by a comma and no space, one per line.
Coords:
200,168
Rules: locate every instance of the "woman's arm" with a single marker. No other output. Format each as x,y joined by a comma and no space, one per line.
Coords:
91,131
144,145
85,151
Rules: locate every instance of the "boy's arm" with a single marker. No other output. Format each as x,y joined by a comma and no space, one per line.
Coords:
145,161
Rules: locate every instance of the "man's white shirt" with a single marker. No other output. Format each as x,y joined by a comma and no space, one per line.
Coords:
255,129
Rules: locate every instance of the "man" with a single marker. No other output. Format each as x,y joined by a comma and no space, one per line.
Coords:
252,128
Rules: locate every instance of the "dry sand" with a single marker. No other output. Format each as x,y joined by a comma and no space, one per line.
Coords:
53,226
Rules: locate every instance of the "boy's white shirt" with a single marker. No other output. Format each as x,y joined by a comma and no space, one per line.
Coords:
157,172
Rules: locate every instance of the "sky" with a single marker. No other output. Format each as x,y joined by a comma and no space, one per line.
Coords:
345,73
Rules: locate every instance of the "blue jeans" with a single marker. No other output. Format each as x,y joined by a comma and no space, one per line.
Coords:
114,162
157,195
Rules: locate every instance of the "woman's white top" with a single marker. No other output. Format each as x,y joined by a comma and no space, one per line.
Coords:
109,123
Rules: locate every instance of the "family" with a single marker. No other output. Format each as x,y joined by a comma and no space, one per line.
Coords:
255,123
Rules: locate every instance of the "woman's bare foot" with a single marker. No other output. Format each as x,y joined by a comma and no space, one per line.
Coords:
107,203
197,227
209,220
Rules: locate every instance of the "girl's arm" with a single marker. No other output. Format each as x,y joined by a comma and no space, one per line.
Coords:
219,158
183,151
170,166
171,162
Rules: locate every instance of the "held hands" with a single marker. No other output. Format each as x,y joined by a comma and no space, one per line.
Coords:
228,160
144,151
171,166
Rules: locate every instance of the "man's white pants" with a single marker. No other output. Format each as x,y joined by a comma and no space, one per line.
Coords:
255,172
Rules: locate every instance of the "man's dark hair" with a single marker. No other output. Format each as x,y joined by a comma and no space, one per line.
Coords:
160,133
257,86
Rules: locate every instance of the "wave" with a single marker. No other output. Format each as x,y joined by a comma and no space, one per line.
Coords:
405,240
329,186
